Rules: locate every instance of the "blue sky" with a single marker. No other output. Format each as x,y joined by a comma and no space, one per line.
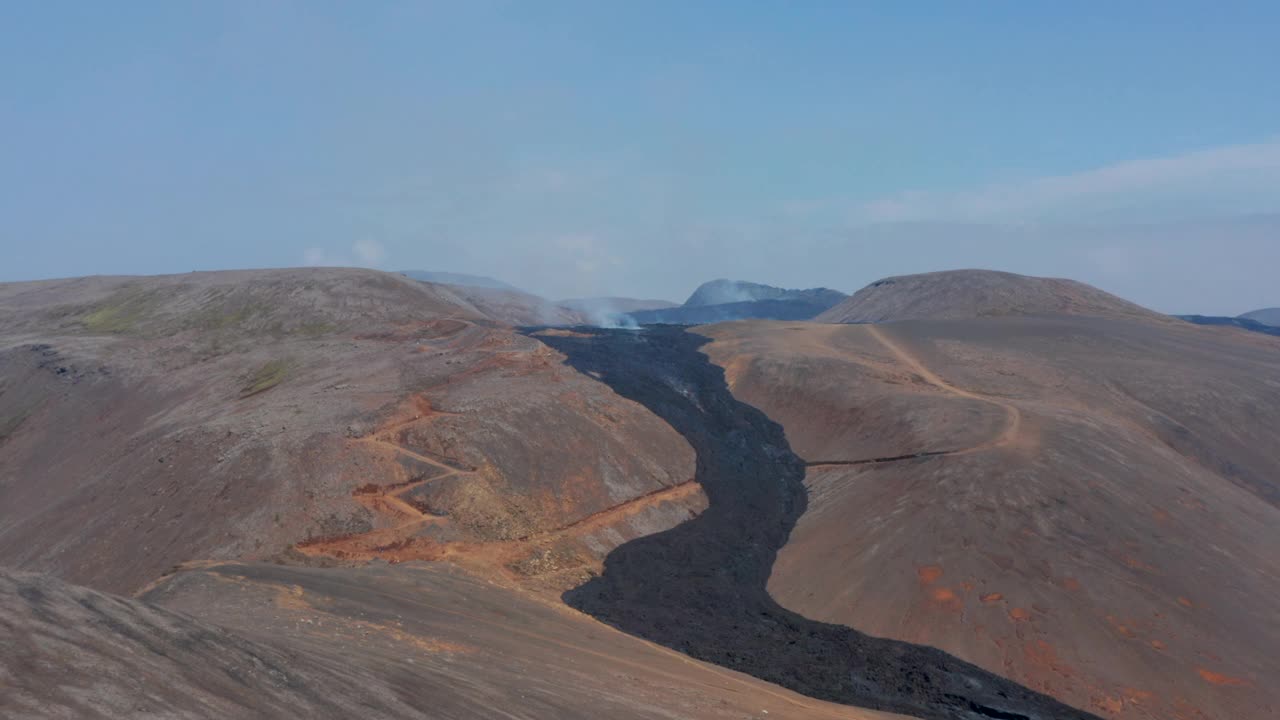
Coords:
640,148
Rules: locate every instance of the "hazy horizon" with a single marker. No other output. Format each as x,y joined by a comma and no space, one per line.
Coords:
586,149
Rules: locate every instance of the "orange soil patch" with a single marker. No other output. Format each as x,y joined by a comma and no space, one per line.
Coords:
733,371
398,544
1020,614
1070,584
1136,696
929,573
990,598
390,505
290,598
1214,678
1184,602
947,598
1120,626
382,543
612,515
417,408
1137,564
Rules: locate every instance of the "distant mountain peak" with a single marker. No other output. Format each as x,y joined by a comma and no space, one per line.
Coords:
723,292
1266,316
722,300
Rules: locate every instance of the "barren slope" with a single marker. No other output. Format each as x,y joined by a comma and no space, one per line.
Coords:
414,641
978,293
150,421
516,307
1087,506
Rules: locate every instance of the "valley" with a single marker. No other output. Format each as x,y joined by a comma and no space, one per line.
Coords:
1015,515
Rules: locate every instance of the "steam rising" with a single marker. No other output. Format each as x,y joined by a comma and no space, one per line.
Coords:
605,314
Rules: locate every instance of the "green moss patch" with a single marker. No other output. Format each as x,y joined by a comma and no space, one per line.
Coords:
266,377
121,313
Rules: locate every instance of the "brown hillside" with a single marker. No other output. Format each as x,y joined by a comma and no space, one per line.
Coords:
338,413
419,641
978,293
1087,506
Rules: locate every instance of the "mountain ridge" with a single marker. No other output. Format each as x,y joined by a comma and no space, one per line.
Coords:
955,294
1266,316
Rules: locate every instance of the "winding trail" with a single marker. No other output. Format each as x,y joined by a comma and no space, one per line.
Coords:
613,515
400,541
1013,416
1011,434
388,501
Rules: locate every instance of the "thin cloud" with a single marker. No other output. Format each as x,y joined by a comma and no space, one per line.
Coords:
369,253
1229,179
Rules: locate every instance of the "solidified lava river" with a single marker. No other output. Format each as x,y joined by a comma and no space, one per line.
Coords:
700,587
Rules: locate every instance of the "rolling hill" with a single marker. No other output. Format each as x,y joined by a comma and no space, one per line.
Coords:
977,293
1083,503
145,422
1266,316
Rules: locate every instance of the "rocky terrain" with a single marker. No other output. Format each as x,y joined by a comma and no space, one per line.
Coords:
1087,505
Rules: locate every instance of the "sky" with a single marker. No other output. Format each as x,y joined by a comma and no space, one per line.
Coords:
640,148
